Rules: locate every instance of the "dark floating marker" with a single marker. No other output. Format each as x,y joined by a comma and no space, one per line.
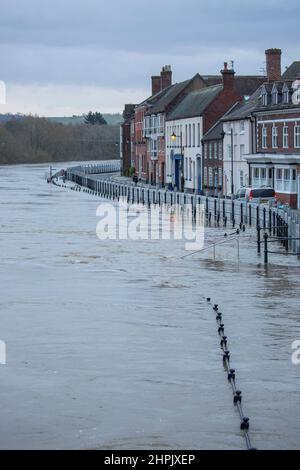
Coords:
231,374
216,307
245,424
208,299
226,356
237,397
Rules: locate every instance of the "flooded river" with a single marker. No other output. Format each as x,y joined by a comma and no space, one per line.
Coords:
111,344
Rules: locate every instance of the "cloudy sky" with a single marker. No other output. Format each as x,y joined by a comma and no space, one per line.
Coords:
64,57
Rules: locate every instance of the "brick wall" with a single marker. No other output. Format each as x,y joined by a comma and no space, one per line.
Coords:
221,104
280,149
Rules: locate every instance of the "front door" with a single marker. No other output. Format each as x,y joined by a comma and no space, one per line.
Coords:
163,174
177,168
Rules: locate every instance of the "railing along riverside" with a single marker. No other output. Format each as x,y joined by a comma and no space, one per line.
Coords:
220,210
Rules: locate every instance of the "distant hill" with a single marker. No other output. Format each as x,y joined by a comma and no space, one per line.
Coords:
111,119
8,117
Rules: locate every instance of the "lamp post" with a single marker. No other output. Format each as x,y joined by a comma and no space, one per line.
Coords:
174,138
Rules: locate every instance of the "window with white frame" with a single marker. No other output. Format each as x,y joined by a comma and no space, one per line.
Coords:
210,150
198,135
205,151
285,180
297,136
205,176
275,97
274,137
210,176
186,135
278,179
190,169
242,127
286,96
264,99
285,137
256,173
220,176
220,150
241,178
229,150
190,135
264,139
242,150
215,150
194,135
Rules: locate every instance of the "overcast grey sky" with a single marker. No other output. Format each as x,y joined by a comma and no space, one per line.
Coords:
63,57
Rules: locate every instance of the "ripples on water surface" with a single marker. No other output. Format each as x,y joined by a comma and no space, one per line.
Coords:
111,344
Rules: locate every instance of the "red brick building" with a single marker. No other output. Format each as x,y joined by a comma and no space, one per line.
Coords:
148,146
276,162
201,109
126,139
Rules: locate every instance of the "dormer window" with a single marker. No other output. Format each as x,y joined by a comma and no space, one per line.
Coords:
285,94
264,99
274,95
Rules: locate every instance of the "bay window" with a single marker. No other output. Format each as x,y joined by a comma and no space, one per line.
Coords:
285,180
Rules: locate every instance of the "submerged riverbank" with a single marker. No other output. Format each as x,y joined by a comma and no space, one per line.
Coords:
111,344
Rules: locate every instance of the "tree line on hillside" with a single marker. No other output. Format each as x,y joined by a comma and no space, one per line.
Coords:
37,140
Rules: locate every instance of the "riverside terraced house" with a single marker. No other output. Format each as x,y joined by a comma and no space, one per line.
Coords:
150,147
197,113
276,162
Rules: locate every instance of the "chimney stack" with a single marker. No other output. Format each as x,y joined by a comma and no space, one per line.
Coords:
156,84
166,77
273,61
228,78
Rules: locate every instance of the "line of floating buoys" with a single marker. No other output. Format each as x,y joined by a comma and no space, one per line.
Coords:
231,374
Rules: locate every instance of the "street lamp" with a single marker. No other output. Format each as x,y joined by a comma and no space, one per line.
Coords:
174,138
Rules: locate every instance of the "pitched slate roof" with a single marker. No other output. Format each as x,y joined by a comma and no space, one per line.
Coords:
243,109
166,98
245,85
195,103
151,100
292,71
215,133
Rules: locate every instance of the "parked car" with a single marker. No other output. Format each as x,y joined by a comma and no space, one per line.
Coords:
262,195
